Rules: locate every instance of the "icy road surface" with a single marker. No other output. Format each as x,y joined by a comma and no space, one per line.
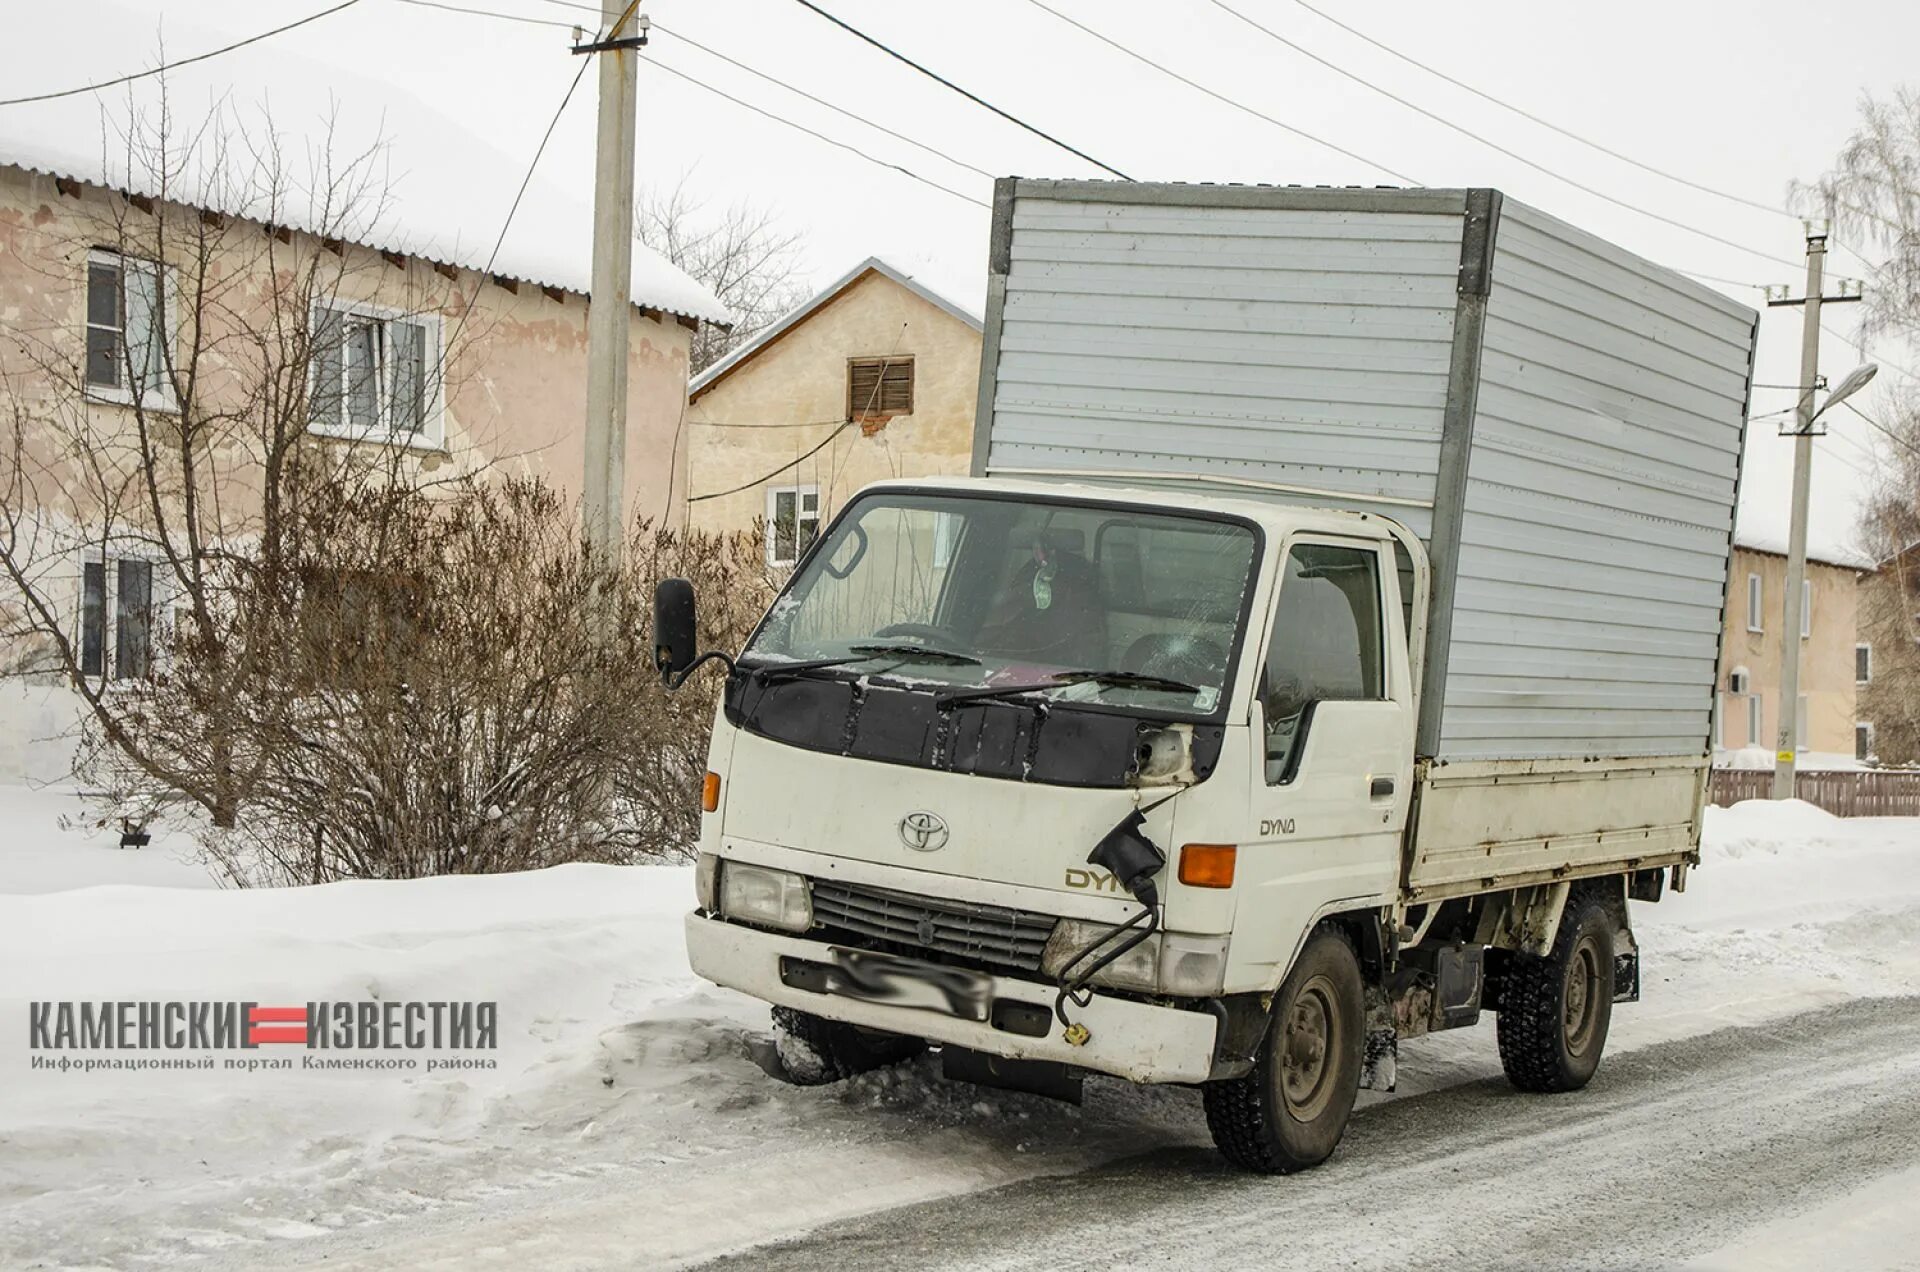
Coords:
1791,1145
1756,1111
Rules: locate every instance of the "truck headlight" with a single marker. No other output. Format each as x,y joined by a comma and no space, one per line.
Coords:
774,898
1136,970
1165,963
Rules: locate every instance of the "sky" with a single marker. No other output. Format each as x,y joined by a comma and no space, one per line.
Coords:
1744,105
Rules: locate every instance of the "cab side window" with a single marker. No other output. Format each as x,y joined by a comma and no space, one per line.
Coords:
1326,645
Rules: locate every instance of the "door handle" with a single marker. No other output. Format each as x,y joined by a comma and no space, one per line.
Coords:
1382,788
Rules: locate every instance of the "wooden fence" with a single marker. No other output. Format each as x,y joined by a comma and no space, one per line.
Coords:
1863,793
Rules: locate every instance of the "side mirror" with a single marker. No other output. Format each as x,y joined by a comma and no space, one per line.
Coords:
673,626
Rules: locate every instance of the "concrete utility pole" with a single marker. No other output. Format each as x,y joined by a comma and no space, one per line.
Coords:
607,321
1784,752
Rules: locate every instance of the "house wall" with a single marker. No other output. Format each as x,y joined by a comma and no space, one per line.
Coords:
512,383
1826,667
791,397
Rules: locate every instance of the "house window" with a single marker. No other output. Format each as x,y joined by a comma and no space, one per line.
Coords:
1862,740
375,374
1754,600
116,622
1806,608
127,335
879,386
793,519
1863,664
1755,720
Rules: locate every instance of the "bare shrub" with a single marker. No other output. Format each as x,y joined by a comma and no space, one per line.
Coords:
450,703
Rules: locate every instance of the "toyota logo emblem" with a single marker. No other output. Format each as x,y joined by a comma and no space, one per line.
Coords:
923,832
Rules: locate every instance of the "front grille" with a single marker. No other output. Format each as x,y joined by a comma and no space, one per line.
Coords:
988,934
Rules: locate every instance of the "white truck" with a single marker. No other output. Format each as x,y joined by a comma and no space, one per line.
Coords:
1323,652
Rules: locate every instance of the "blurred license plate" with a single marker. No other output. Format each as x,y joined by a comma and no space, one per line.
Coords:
900,982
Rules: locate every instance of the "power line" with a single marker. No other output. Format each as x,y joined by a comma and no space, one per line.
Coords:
1860,346
919,145
974,98
1529,115
1221,97
185,61
490,13
520,194
928,181
774,424
1890,435
1464,131
795,462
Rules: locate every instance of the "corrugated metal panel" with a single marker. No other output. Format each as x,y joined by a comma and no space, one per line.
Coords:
1300,346
1599,504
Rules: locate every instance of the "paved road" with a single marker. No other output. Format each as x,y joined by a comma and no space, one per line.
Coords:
1794,1144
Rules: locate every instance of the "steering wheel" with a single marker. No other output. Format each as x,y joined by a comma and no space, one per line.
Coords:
921,631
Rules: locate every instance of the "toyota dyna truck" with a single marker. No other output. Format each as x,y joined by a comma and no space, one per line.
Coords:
1322,653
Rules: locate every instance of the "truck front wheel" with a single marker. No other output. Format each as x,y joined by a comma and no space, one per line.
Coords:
1554,1011
815,1051
1289,1113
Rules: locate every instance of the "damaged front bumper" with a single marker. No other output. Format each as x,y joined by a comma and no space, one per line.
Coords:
1138,1041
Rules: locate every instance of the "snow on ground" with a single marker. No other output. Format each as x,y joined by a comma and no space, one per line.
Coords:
622,1082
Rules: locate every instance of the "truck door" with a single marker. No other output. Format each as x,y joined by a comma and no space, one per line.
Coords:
1332,743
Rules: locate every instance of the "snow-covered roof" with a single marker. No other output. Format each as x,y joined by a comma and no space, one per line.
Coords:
1773,539
443,192
799,314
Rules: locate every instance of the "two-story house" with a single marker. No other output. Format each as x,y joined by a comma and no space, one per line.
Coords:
1833,661
874,377
418,341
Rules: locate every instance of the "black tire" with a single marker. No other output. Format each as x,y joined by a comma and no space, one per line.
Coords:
1289,1113
1554,1011
815,1051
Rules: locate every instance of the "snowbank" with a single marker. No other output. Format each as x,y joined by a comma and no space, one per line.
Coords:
619,1081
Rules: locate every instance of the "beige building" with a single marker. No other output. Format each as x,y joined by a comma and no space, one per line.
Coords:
423,357
1748,705
874,377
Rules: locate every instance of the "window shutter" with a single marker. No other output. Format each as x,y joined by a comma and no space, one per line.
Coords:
879,386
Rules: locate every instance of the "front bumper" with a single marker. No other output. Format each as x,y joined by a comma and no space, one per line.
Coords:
1137,1041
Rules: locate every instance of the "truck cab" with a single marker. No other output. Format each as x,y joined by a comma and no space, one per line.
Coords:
966,684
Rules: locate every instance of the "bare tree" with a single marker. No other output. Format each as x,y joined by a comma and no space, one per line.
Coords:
1873,196
741,254
159,434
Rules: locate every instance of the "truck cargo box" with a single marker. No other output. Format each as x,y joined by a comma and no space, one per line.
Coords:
1560,420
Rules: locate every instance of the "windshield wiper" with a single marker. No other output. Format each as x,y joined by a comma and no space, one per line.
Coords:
765,672
1106,679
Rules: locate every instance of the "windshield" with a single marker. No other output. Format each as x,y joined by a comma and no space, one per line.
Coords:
1066,601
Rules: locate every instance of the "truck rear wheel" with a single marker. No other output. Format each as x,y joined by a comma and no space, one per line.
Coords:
1289,1113
815,1051
1554,1011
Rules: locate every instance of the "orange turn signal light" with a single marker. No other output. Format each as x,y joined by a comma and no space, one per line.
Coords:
710,793
1207,865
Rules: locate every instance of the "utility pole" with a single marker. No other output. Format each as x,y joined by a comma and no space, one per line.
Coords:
1788,740
608,318
1804,415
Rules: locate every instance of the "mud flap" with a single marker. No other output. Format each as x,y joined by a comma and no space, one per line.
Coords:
1380,1058
1626,977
